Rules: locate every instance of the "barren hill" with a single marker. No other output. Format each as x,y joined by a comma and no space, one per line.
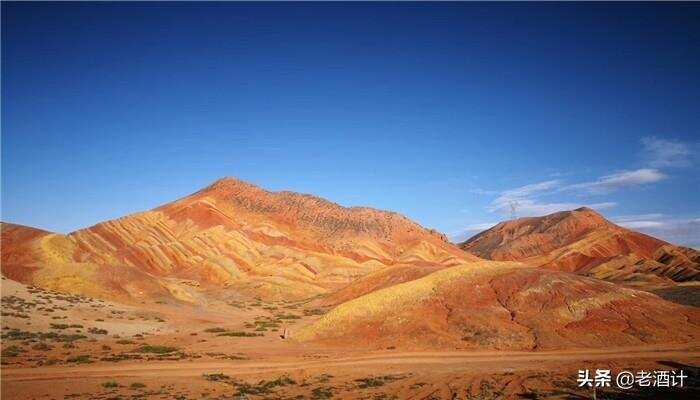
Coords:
231,234
584,242
505,305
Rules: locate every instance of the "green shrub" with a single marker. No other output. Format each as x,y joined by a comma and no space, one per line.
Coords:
321,393
216,377
82,359
12,351
156,349
240,334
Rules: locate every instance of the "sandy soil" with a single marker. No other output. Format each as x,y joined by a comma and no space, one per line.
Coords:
232,349
402,375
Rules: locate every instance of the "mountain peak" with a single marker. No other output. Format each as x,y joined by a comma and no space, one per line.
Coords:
588,211
592,217
229,181
584,241
314,221
531,236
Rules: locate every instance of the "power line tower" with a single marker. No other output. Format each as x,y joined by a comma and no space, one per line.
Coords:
513,204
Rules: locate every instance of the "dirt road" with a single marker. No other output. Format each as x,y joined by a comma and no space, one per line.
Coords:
453,360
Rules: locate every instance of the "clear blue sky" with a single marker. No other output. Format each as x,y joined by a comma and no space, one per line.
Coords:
457,115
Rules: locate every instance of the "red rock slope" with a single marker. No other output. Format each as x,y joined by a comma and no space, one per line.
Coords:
277,245
504,305
584,242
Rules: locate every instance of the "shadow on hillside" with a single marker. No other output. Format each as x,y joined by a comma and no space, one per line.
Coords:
685,295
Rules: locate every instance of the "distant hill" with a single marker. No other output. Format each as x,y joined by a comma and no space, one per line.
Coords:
584,242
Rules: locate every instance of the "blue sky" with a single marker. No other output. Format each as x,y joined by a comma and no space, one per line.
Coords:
457,115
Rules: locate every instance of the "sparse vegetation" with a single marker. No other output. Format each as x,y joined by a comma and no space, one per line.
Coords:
314,311
263,387
82,359
156,349
239,334
65,326
12,351
216,377
287,316
110,384
121,357
321,393
376,381
16,334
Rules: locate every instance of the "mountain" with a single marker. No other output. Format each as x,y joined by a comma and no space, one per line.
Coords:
231,234
390,281
504,305
584,242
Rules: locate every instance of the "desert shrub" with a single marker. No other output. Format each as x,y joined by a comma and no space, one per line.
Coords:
215,377
215,330
369,382
69,338
287,316
121,357
65,326
156,349
137,385
375,381
110,384
12,351
240,334
82,359
322,393
263,387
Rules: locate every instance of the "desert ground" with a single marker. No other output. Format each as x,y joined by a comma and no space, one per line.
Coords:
58,346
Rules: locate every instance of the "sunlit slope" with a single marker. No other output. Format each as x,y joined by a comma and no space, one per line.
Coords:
380,279
275,245
49,260
584,242
504,305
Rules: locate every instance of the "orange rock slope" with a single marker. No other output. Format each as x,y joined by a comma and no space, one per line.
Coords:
583,242
276,245
392,282
505,305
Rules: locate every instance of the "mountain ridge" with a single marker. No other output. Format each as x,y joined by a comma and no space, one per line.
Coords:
583,241
230,234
